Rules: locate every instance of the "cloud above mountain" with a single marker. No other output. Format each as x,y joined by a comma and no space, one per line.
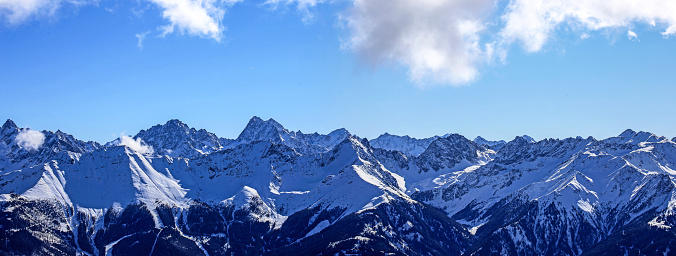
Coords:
136,144
437,41
30,139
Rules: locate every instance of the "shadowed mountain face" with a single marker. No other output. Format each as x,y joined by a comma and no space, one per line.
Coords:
276,192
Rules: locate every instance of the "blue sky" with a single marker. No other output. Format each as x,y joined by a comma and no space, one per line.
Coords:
320,65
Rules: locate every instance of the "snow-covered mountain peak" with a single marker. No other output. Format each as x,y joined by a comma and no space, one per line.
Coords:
480,140
339,132
8,129
520,150
571,196
255,120
455,149
630,136
9,124
257,129
177,123
456,138
271,130
23,147
528,138
60,141
627,133
354,144
356,155
405,144
524,139
177,139
489,143
173,126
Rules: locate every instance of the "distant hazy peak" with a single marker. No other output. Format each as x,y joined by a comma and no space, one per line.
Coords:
177,123
522,139
173,124
456,137
270,121
529,138
481,141
632,137
454,141
405,144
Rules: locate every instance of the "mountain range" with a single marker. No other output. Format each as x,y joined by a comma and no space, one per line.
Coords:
175,190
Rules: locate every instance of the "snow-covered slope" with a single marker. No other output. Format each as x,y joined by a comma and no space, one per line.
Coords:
268,181
98,180
442,157
560,195
275,192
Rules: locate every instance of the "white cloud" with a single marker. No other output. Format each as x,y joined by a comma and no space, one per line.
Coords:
194,17
632,35
670,30
438,40
447,41
136,144
30,139
141,37
15,12
534,22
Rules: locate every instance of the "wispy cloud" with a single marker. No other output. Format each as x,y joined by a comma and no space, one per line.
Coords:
141,37
30,139
304,6
15,12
